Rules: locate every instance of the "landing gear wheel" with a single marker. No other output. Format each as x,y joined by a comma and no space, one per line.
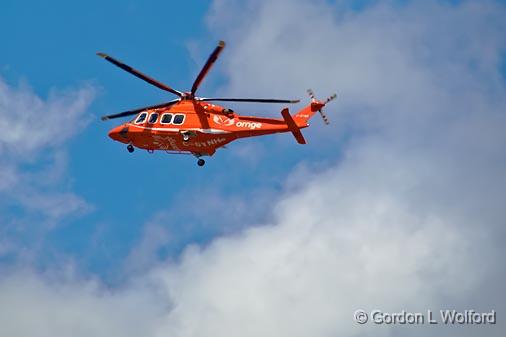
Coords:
201,162
130,148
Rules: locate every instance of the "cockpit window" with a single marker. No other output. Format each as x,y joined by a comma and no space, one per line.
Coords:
166,119
141,118
152,118
178,119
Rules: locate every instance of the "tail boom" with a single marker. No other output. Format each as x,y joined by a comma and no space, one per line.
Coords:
303,116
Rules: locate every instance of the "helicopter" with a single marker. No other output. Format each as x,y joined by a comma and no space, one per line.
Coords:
195,125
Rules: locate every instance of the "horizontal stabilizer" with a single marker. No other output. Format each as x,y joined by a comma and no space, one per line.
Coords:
293,126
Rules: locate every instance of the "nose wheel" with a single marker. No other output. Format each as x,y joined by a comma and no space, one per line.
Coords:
130,148
201,162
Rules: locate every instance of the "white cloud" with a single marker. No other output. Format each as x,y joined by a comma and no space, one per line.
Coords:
63,307
336,246
29,124
33,136
410,218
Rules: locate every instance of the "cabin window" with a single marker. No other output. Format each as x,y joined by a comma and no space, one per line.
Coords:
153,118
141,118
166,119
178,119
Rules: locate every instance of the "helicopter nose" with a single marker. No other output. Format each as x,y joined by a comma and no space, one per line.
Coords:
119,133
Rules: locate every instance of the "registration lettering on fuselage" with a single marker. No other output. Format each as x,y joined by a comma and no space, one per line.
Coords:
209,142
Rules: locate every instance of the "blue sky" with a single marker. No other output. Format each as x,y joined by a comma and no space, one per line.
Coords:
54,46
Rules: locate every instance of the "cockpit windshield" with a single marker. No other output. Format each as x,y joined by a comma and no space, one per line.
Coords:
141,118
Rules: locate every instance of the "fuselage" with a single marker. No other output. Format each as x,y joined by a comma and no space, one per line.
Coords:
193,127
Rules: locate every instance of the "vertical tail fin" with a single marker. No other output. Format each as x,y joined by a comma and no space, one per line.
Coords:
293,126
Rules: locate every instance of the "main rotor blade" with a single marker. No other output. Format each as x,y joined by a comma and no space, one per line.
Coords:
212,58
136,111
253,100
140,75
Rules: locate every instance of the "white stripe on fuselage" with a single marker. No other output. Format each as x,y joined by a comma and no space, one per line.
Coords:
210,131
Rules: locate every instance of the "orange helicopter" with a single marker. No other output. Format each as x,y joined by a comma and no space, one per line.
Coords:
191,125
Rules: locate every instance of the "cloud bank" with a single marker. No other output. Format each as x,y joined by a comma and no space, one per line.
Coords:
410,217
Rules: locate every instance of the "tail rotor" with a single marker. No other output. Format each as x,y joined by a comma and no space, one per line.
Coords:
319,105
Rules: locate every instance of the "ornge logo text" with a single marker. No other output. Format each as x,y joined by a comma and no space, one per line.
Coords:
250,125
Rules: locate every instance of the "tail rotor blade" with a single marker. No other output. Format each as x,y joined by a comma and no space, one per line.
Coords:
330,98
311,94
324,117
